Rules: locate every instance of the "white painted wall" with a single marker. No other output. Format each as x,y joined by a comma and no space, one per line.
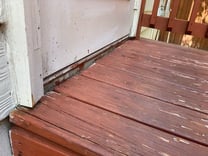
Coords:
73,29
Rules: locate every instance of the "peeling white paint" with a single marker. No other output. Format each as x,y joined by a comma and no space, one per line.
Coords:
186,128
173,114
164,139
148,147
183,101
184,141
204,120
183,76
181,141
163,154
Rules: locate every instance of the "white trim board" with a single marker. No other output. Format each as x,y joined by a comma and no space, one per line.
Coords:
23,51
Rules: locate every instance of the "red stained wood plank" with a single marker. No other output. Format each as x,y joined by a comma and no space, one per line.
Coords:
146,20
154,12
177,51
161,23
55,134
183,61
170,65
88,121
137,107
157,73
140,19
25,143
174,9
145,98
179,87
197,29
173,24
186,67
154,88
179,26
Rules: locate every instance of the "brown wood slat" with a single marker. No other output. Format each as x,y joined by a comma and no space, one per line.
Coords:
173,24
145,98
193,98
172,64
172,93
146,20
29,144
55,134
174,9
77,124
172,60
161,23
111,127
161,75
141,108
141,18
197,29
180,26
171,50
154,12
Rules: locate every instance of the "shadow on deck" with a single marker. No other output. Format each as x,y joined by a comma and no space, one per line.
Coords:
145,98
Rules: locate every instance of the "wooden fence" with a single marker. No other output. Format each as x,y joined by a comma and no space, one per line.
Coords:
194,25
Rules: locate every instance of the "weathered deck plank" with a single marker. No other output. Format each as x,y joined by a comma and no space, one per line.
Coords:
115,134
145,98
137,107
24,140
153,58
178,87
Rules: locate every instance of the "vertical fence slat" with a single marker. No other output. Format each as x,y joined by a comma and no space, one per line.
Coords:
140,18
174,9
154,12
195,10
172,24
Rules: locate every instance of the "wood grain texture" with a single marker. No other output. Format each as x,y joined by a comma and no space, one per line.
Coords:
145,98
28,144
182,78
135,106
114,133
55,134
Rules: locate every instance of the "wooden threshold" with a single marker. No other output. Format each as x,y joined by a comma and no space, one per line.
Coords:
145,98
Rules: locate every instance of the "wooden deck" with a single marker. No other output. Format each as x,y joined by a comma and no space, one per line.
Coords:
145,98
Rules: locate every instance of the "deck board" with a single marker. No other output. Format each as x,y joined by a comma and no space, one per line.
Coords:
145,98
138,107
155,88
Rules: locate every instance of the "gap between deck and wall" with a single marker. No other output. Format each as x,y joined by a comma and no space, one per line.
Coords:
51,81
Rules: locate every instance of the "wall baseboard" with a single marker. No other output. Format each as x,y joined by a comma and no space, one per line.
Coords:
51,81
